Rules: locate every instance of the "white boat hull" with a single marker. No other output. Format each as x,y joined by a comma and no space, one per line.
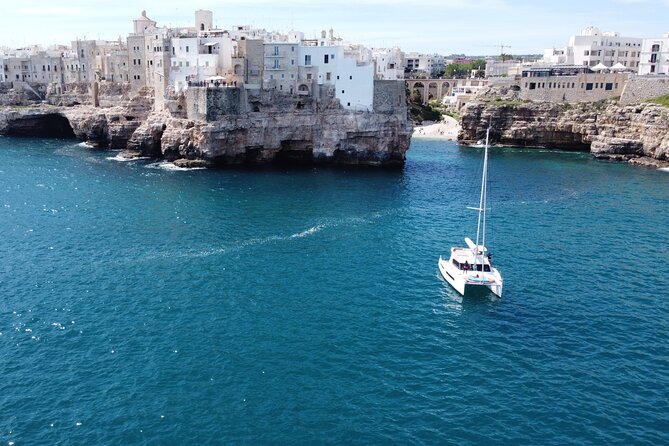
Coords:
464,281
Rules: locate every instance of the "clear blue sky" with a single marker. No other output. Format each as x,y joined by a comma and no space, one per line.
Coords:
444,26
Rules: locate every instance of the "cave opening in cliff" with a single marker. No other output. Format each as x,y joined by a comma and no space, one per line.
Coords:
42,126
295,152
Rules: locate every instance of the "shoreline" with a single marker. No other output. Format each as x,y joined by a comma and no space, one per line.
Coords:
447,129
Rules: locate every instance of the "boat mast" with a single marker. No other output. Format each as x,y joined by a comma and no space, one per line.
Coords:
485,197
482,202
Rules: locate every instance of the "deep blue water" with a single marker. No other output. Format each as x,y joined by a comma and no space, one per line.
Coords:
144,306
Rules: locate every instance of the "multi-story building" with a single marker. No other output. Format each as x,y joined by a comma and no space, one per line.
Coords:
655,56
593,47
281,66
174,59
389,63
330,63
424,65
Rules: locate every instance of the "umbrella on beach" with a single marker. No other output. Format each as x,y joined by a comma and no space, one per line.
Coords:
599,67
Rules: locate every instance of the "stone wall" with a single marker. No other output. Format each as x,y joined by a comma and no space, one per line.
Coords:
222,101
389,96
196,103
641,88
590,87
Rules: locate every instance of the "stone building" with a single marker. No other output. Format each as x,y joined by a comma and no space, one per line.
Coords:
171,60
570,84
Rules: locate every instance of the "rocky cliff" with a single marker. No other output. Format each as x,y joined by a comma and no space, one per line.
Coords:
229,127
634,133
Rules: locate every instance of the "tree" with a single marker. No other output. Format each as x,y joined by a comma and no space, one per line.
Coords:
460,70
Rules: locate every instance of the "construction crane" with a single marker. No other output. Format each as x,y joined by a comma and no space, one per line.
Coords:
501,49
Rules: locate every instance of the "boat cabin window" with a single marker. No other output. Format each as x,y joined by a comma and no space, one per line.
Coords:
479,267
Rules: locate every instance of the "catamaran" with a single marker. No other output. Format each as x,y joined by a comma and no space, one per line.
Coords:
472,266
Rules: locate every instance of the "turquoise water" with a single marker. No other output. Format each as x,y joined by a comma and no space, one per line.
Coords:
146,306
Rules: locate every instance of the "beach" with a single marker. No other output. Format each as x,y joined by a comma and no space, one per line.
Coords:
446,129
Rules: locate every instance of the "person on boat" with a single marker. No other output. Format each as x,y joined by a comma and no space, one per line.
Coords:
466,266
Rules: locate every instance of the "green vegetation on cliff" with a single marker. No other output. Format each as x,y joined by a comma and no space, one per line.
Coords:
662,100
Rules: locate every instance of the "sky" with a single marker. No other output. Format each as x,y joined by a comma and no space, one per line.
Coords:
472,27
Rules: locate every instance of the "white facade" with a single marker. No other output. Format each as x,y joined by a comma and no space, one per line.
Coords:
389,63
427,65
593,47
353,82
200,59
655,56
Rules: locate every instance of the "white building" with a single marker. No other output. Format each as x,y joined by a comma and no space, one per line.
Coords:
322,63
389,63
593,47
655,56
424,65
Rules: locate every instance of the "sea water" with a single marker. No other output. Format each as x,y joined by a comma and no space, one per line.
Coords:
146,305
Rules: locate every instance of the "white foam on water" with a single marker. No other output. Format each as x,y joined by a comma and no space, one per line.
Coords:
123,159
170,167
664,169
308,232
86,145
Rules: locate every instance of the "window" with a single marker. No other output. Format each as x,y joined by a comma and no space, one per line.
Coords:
307,60
187,49
586,53
655,48
276,64
332,56
609,87
326,58
308,76
328,76
292,61
342,92
350,77
588,86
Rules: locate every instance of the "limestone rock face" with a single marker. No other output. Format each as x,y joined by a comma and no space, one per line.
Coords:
612,131
333,137
228,126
